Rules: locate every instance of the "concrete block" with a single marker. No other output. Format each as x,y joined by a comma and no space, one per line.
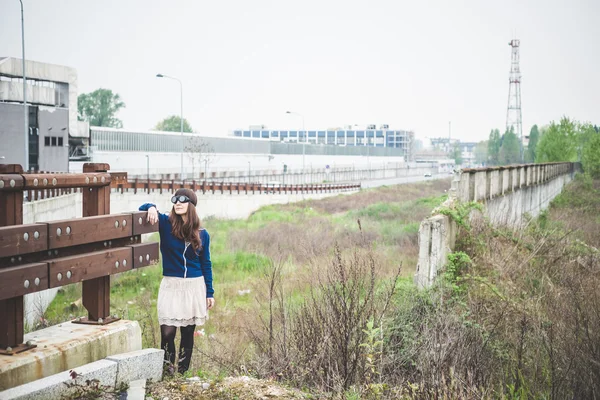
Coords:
56,386
141,364
66,346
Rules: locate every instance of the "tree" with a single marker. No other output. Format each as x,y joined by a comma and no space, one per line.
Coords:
173,124
481,153
100,108
494,143
560,142
199,151
534,137
590,157
456,154
510,151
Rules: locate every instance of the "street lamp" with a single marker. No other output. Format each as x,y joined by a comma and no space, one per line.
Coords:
25,111
305,139
181,116
148,170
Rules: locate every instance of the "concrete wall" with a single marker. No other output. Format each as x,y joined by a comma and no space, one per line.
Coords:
136,163
12,139
507,193
53,123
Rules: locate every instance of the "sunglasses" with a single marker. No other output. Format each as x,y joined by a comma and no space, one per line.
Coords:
181,199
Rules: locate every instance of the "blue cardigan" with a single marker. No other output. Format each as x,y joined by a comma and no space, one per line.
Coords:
180,260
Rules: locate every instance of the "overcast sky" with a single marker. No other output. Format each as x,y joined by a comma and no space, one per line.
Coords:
410,64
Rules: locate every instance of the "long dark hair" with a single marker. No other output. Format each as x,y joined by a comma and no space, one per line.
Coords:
190,229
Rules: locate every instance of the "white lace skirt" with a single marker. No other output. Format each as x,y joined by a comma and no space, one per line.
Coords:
182,301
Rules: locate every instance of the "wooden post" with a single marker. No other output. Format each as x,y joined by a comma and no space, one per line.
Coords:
96,292
11,310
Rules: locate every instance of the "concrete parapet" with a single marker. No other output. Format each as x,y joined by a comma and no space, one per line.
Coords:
141,364
57,386
508,194
67,346
482,184
110,373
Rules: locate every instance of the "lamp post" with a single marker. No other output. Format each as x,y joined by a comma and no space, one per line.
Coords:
148,170
25,110
306,138
181,116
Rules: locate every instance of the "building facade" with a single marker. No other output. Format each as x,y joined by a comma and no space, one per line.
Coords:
399,139
51,114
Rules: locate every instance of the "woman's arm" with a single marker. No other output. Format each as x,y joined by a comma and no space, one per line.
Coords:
153,214
206,264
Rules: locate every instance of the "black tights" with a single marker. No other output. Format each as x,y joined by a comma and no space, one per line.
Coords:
186,346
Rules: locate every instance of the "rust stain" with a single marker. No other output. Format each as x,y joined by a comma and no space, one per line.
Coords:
39,368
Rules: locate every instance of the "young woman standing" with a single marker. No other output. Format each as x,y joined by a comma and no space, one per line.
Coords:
186,292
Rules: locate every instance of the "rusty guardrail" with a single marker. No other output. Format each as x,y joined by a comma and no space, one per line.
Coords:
40,256
121,183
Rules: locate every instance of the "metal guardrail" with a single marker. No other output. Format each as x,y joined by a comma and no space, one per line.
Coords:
37,257
121,184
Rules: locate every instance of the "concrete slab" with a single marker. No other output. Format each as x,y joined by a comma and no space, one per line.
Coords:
141,364
57,386
67,346
137,390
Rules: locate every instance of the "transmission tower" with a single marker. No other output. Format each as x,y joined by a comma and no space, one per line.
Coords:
513,111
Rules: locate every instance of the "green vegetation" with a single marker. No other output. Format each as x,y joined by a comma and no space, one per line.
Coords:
100,108
173,124
329,311
565,141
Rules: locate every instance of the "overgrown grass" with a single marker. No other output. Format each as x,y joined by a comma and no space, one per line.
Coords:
296,238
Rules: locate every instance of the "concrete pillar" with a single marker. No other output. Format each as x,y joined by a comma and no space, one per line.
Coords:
463,187
480,185
506,180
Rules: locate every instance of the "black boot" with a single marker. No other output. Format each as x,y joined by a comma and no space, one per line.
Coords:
185,356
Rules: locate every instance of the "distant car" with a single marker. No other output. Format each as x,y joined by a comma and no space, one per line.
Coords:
427,175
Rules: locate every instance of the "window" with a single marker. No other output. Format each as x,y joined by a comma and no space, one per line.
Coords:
53,139
60,141
47,141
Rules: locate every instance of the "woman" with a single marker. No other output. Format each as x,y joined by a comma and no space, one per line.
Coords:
186,293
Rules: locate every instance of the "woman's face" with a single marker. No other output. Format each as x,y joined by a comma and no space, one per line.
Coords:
181,208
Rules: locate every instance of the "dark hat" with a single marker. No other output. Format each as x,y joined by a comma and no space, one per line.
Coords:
190,194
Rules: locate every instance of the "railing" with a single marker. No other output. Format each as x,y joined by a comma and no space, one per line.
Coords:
122,184
41,256
482,184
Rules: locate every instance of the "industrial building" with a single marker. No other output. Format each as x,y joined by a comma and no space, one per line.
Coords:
51,114
160,152
369,137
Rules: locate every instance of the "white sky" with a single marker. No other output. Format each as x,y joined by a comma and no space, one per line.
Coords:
410,64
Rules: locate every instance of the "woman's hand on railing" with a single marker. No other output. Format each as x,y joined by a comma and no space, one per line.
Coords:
152,215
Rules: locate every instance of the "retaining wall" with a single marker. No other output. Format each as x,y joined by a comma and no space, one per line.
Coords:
508,195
